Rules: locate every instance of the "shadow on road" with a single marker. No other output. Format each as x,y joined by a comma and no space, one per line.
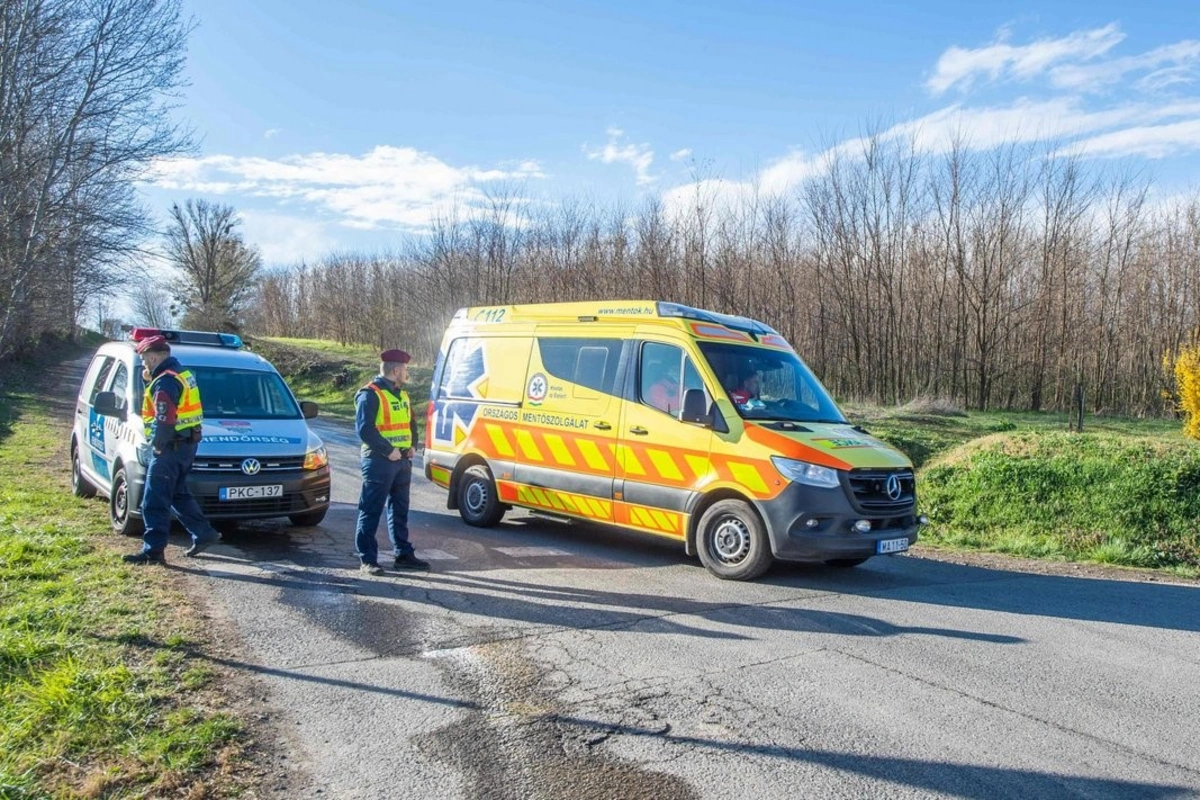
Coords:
955,779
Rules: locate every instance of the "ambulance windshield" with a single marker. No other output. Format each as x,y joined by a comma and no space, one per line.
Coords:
767,383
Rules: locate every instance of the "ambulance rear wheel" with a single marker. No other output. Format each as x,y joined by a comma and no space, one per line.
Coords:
733,542
478,502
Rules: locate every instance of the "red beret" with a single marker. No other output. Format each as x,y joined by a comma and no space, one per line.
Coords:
396,356
153,343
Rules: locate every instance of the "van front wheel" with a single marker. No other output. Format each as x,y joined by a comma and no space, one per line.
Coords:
119,512
733,541
478,503
80,486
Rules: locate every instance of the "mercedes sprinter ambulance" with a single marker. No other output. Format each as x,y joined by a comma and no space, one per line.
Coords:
701,427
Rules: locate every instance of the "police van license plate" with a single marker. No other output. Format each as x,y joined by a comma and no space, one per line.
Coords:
892,546
249,492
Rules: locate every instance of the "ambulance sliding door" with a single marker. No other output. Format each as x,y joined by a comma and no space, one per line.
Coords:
566,439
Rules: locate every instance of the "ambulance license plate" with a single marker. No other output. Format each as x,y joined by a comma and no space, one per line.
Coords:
892,546
249,492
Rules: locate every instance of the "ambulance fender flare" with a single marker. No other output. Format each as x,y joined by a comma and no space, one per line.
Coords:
700,504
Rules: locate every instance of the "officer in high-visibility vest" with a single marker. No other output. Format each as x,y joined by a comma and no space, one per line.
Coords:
172,416
383,419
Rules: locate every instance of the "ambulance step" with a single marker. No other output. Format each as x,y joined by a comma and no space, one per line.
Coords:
537,512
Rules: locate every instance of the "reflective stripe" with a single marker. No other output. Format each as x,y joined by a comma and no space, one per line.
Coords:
188,414
393,419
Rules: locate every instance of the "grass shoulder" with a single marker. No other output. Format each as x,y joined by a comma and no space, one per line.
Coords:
105,690
1125,492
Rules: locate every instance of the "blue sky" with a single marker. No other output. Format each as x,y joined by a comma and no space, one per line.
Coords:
349,125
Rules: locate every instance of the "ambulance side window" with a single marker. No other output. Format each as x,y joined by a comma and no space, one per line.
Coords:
663,376
587,363
463,365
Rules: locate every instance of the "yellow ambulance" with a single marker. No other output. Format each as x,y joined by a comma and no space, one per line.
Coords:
684,423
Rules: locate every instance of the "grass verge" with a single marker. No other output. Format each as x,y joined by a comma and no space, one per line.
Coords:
329,374
102,692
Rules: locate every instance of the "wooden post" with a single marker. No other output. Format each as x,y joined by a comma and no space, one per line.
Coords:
1075,419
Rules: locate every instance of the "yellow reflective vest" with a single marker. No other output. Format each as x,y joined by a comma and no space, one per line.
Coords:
188,414
393,419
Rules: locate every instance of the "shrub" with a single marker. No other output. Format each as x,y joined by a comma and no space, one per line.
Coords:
1187,383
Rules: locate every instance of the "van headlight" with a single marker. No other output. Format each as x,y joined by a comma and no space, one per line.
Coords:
806,473
316,458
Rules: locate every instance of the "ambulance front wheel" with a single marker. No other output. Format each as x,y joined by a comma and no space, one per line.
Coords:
733,542
478,502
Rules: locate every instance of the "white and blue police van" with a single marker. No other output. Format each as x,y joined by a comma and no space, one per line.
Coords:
257,458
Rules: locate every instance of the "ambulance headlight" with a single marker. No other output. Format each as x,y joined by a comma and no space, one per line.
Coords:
806,473
316,458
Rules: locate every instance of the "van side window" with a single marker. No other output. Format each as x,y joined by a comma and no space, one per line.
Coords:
99,377
120,382
589,363
662,376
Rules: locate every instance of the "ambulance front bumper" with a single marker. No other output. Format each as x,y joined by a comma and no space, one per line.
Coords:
806,523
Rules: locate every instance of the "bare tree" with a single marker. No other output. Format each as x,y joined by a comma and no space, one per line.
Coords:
152,306
85,94
218,269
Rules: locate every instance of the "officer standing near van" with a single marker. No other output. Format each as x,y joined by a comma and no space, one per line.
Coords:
172,417
383,419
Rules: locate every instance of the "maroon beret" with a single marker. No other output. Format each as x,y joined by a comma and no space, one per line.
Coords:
395,356
153,343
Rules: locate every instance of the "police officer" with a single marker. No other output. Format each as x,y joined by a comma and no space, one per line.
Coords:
383,419
171,416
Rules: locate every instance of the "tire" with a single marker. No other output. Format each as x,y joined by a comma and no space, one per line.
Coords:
845,563
733,542
478,502
309,518
123,522
80,486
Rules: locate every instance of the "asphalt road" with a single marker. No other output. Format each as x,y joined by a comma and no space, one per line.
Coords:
546,660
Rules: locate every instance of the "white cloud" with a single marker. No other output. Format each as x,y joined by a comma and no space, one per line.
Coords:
286,239
271,133
680,155
1165,66
639,156
397,186
1148,141
960,66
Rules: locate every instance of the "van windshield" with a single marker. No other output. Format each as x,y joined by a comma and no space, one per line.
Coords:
244,394
765,383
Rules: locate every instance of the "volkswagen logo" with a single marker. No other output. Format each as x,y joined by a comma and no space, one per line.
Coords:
251,467
892,486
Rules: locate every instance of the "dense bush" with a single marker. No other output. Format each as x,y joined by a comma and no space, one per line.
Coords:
1105,497
1187,383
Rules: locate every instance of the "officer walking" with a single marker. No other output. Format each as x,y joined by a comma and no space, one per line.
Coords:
383,419
171,416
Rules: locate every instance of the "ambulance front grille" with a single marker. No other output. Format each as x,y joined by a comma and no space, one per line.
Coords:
870,490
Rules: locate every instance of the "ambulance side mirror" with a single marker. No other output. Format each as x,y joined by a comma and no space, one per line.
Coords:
695,410
107,404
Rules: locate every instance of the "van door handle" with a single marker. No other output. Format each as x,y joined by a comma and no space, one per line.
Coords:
639,430
602,426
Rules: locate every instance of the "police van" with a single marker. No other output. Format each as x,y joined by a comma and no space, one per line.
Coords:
257,457
701,427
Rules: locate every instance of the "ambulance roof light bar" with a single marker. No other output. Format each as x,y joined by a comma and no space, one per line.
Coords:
206,338
728,320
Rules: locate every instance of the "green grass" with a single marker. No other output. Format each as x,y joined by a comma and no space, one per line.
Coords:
90,705
329,374
1131,499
